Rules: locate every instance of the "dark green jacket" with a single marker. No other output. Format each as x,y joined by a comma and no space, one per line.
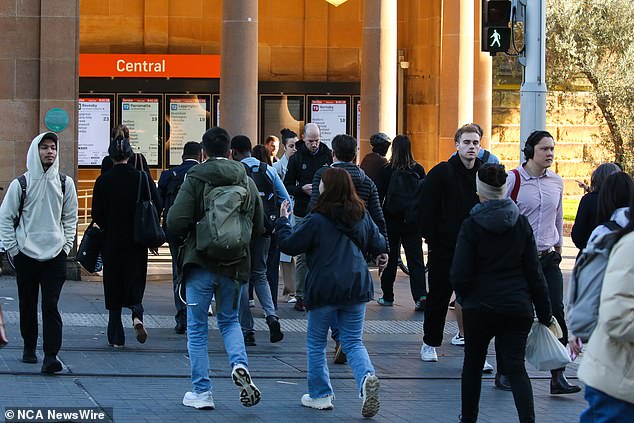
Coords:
188,208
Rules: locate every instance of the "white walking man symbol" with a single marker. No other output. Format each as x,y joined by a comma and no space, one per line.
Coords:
496,38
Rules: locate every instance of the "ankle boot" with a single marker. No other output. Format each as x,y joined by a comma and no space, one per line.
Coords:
502,382
28,355
559,384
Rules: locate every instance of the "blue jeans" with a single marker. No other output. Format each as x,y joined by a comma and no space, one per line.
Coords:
604,408
259,252
350,323
200,285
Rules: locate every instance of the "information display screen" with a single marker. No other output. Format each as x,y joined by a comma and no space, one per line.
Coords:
93,128
331,115
187,119
141,116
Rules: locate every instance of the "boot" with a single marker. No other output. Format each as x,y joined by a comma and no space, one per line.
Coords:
502,382
559,384
28,355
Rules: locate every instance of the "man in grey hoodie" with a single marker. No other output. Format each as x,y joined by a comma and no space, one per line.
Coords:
38,223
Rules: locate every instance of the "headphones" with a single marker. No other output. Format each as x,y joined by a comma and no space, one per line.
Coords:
533,139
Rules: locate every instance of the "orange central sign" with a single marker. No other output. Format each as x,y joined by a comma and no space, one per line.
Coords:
149,65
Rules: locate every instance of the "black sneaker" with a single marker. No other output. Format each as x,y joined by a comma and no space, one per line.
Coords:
180,328
274,328
249,339
28,356
51,364
420,304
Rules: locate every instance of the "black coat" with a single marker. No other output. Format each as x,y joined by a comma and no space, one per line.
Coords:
124,262
447,197
301,169
382,183
586,219
495,266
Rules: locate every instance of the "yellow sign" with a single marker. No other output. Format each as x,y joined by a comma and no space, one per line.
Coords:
336,3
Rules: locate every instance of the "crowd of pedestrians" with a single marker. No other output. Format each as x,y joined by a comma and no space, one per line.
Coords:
238,216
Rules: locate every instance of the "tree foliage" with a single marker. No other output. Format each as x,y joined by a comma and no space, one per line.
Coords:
595,39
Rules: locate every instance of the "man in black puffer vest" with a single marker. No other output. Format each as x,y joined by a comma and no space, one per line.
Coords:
311,155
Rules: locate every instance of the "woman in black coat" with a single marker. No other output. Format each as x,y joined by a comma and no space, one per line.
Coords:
495,273
125,262
399,231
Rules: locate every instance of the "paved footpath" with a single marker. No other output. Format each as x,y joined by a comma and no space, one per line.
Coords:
146,382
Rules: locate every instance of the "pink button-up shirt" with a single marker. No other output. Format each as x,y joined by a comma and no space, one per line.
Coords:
540,200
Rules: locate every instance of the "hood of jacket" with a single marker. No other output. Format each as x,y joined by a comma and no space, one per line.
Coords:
218,172
496,216
620,216
355,232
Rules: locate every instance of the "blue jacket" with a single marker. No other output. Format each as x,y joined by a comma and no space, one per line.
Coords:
166,175
337,271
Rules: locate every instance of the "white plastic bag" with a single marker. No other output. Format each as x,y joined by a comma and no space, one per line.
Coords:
543,350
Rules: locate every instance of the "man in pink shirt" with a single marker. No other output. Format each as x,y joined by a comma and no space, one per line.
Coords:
538,192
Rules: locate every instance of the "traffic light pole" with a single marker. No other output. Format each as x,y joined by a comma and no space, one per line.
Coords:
533,90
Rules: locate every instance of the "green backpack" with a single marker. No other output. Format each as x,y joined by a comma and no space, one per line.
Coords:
224,232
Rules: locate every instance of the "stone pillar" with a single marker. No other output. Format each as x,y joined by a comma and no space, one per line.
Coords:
39,64
457,68
482,81
239,68
378,70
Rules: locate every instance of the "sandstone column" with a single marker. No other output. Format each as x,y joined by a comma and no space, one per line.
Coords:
378,70
483,82
239,68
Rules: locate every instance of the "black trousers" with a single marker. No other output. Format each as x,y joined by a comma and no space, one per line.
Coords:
413,246
555,281
273,268
510,335
439,262
181,309
50,275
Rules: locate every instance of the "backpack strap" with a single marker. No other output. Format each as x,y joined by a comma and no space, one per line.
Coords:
62,180
516,187
612,225
485,156
22,182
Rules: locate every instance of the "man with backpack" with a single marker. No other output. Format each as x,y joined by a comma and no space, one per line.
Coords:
538,192
38,224
272,193
169,183
311,155
217,211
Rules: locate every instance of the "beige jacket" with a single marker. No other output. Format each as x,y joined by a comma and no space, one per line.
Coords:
608,362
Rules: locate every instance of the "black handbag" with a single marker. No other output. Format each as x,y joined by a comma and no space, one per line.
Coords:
90,248
147,225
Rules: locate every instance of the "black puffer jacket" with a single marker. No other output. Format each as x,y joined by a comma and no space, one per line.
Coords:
301,169
366,190
447,195
495,266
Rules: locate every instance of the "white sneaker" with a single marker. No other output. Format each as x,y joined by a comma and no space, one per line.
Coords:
324,403
428,353
249,393
487,368
291,299
458,340
370,394
210,312
202,401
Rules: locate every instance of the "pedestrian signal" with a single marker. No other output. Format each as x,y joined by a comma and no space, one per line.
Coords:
496,32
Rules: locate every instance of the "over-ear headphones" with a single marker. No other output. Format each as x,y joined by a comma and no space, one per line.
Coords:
533,139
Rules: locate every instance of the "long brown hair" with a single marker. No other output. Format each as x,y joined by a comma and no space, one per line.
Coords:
339,199
402,157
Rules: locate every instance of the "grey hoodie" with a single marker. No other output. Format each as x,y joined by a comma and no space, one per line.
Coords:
496,216
49,222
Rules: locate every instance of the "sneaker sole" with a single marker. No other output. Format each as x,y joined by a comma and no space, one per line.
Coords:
249,393
340,357
276,332
52,368
314,406
198,405
371,404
